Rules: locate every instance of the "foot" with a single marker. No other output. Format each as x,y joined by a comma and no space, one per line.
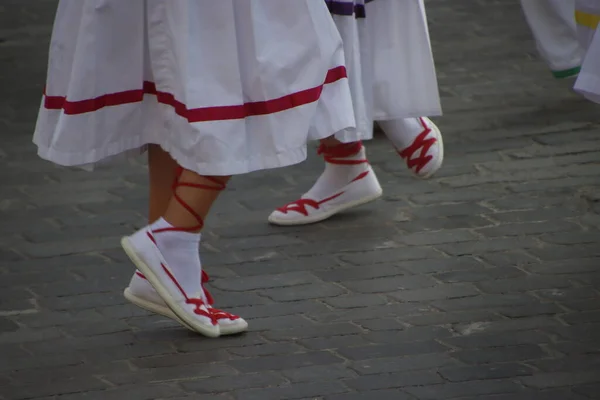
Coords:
348,181
191,308
141,293
419,142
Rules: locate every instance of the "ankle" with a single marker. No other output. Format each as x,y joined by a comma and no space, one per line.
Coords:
341,150
167,234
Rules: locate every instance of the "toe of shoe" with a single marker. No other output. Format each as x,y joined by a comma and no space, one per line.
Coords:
280,218
238,326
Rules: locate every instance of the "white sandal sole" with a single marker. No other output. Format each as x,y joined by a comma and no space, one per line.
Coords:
189,322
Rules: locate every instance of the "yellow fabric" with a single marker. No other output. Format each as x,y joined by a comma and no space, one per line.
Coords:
586,19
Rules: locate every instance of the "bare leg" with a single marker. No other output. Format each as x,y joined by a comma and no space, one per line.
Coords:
192,200
176,217
162,171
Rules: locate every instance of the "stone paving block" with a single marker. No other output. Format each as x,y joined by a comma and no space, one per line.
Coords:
66,386
484,372
477,317
489,301
408,363
389,284
528,228
272,363
386,394
524,284
532,310
225,384
554,214
319,373
489,246
438,292
333,342
484,339
356,301
390,350
287,308
440,265
390,310
591,391
394,380
390,255
501,354
480,274
437,224
463,389
510,325
141,392
412,334
264,281
297,390
569,363
187,342
561,379
383,324
358,273
285,321
70,372
177,373
304,292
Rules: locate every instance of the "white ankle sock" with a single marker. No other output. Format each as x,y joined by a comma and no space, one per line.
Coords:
336,176
402,132
181,252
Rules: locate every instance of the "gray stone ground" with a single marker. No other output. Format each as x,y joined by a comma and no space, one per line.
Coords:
480,283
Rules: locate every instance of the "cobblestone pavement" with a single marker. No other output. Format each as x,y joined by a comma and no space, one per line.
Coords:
480,283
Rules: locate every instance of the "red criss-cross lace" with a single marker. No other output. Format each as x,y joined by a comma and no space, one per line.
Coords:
219,186
198,302
420,143
333,155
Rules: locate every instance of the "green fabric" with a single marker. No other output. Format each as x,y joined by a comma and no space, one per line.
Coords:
566,73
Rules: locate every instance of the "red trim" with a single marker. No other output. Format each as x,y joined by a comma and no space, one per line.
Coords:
195,114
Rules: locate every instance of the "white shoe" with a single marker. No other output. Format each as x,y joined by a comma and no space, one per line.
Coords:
347,182
424,154
141,293
191,310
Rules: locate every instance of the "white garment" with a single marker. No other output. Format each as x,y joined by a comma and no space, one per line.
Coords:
389,60
588,17
226,87
552,23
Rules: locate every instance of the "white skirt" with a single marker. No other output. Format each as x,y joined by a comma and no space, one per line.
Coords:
552,23
389,60
588,16
226,87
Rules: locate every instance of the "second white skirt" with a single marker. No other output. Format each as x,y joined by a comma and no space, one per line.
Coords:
587,17
389,60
